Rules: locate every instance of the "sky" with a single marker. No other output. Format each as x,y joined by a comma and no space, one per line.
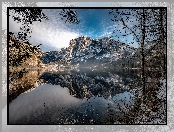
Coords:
55,34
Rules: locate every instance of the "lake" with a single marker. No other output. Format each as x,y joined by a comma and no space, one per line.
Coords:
83,96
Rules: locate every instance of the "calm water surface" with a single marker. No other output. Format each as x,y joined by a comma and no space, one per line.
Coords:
70,97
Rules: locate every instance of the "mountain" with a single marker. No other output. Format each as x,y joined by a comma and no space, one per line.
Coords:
49,57
23,54
85,50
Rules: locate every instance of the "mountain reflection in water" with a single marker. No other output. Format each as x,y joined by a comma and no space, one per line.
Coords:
87,83
23,81
76,97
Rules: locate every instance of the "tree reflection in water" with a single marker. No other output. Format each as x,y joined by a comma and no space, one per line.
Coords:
92,85
86,84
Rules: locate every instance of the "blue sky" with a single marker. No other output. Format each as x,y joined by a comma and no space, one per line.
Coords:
95,22
55,34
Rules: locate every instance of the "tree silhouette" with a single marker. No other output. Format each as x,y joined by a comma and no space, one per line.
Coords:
149,26
26,16
69,15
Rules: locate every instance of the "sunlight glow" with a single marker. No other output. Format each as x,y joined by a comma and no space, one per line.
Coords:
62,40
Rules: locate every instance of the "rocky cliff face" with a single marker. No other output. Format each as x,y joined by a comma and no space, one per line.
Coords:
52,56
105,49
85,49
23,54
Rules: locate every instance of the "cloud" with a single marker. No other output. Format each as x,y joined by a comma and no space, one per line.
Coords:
52,34
55,33
48,35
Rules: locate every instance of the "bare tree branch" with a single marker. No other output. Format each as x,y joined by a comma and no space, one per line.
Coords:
130,29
